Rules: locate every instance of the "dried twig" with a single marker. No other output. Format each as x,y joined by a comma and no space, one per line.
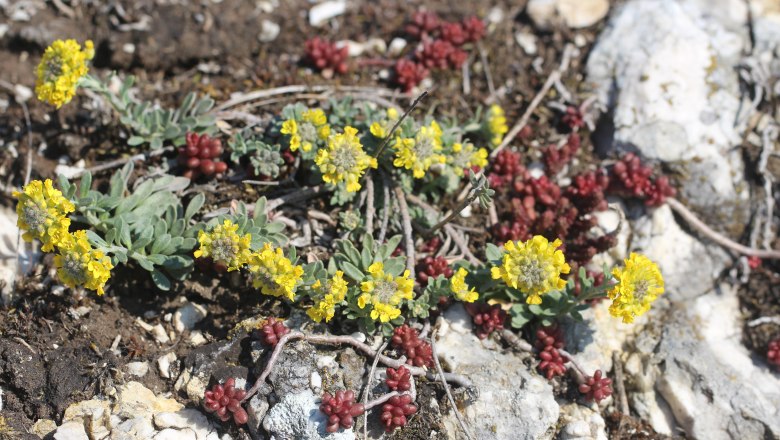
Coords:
120,162
764,320
243,98
294,197
398,123
406,221
488,74
580,372
385,208
620,385
554,76
447,388
367,390
370,210
722,240
354,343
515,341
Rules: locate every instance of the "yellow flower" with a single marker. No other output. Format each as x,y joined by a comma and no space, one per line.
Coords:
303,134
496,124
333,293
273,273
223,244
465,156
42,213
80,265
422,151
381,129
344,160
639,284
461,289
384,292
533,267
62,66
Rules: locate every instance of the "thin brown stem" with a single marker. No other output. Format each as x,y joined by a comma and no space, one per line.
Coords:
370,210
515,341
554,76
398,123
406,222
447,388
722,240
356,344
367,389
620,386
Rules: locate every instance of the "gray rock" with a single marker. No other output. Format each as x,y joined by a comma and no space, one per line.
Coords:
188,315
256,410
293,369
574,13
581,423
666,71
175,434
188,418
138,369
715,389
268,31
298,417
513,402
135,428
71,431
321,13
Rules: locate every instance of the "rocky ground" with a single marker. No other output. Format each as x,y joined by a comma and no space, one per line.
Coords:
691,85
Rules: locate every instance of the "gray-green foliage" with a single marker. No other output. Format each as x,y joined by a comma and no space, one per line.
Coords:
258,225
149,225
354,263
265,158
153,125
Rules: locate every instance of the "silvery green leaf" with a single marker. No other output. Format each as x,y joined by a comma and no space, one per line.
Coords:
177,228
135,141
156,258
161,243
160,227
178,184
120,255
492,252
189,100
143,262
176,262
395,266
274,227
365,257
203,106
156,143
86,184
351,271
259,207
124,234
111,236
95,239
194,206
161,281
175,243
390,246
188,244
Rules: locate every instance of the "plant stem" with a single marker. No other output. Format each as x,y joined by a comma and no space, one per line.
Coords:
398,123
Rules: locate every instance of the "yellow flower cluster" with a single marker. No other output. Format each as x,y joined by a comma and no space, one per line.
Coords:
534,267
420,152
496,121
42,213
381,129
466,156
223,245
303,134
62,66
80,265
273,273
331,294
384,292
344,160
639,284
460,289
